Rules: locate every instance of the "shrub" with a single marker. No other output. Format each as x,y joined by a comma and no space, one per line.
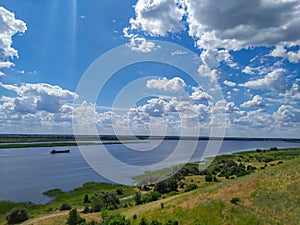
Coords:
119,191
190,187
86,210
115,219
65,206
155,222
235,200
143,221
17,215
208,178
138,198
134,217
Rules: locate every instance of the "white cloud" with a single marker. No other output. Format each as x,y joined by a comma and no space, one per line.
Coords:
140,44
288,115
294,57
206,71
281,51
240,24
254,119
175,84
179,52
257,101
229,83
292,93
158,17
274,80
39,97
200,96
248,70
213,57
9,26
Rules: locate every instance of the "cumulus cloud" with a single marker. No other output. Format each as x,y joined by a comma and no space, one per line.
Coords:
175,84
248,70
39,97
257,101
292,93
9,26
241,24
255,119
281,51
274,80
140,44
229,83
213,57
205,71
158,17
200,96
287,114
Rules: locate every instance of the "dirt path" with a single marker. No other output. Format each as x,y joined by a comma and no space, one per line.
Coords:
61,213
35,220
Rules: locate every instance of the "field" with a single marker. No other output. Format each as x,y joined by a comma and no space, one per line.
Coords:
268,194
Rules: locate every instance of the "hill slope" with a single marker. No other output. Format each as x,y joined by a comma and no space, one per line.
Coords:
269,196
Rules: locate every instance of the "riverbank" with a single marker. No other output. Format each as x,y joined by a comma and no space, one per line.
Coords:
264,168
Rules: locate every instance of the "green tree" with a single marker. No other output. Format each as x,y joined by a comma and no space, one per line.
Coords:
86,199
74,218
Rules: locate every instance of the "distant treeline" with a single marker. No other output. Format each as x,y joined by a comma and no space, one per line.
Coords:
4,138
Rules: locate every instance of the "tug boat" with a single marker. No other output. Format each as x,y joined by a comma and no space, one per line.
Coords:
59,151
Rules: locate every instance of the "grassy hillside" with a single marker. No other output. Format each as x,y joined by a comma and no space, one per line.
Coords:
269,196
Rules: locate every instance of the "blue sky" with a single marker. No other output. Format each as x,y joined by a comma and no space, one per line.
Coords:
248,49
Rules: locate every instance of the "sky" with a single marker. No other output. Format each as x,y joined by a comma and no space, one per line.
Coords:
158,67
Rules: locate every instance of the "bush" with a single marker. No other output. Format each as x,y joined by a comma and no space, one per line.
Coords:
65,206
86,210
17,215
119,191
155,222
143,221
134,217
138,198
115,219
190,187
235,200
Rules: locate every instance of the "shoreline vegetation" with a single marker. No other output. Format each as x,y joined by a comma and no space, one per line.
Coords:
249,187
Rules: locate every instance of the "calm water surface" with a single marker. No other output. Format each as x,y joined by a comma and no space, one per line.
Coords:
25,173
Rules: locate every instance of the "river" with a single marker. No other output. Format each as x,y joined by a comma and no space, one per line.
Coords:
25,173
